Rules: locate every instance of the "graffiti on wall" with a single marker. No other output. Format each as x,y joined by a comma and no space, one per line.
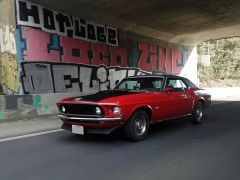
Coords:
9,75
76,61
47,77
61,53
22,105
57,48
7,39
64,49
33,15
157,59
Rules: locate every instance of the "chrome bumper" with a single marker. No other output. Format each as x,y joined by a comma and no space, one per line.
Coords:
64,117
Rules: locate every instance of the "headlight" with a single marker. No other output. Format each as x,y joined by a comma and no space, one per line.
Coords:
98,111
63,109
117,110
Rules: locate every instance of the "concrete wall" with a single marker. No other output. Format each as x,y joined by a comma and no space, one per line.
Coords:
23,106
59,53
9,74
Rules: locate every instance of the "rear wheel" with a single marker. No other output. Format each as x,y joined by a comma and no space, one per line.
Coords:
198,113
137,126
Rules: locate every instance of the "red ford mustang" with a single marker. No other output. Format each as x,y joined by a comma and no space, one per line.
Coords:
133,104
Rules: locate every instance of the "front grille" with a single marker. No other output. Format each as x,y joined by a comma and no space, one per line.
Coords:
80,109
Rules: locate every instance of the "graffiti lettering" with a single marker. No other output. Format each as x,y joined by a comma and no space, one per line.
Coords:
75,50
148,58
177,62
41,77
100,54
40,50
9,72
157,59
60,64
30,14
56,48
7,39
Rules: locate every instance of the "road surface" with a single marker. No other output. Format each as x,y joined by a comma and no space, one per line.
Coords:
175,150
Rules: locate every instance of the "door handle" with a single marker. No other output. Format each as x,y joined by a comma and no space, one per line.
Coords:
186,95
183,95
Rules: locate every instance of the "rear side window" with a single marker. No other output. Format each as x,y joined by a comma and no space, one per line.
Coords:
157,84
190,83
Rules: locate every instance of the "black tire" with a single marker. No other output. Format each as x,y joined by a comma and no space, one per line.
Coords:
198,113
137,126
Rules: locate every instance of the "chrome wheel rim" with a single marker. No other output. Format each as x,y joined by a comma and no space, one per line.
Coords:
140,125
199,113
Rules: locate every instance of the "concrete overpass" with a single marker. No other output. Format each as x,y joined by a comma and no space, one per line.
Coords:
53,49
185,22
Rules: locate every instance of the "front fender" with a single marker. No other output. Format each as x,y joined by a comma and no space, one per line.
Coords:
128,110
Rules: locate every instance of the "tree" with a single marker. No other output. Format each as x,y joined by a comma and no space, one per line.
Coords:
225,59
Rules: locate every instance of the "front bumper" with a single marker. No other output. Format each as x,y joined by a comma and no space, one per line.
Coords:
68,127
88,119
96,125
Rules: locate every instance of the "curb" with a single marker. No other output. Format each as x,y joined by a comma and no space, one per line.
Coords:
32,118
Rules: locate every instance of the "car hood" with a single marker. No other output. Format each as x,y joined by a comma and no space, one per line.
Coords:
102,95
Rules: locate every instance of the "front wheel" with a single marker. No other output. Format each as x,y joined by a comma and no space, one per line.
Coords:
137,126
198,113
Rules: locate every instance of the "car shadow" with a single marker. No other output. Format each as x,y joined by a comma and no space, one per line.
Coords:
115,137
220,118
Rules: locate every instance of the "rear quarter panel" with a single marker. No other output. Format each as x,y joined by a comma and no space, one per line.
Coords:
201,95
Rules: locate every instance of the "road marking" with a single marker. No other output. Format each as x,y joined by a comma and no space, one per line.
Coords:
30,135
215,103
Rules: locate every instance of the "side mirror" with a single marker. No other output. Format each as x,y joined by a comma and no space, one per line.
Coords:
168,89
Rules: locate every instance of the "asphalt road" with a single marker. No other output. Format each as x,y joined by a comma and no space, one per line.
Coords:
175,150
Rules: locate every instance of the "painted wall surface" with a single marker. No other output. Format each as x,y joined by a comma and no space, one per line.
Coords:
47,55
59,53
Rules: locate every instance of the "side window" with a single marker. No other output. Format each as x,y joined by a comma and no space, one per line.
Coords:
176,84
157,84
151,84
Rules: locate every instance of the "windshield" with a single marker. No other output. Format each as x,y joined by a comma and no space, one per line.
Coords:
144,83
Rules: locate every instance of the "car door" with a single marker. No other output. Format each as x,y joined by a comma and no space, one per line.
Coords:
157,100
162,103
179,100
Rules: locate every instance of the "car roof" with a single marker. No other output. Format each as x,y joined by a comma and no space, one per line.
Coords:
187,81
156,75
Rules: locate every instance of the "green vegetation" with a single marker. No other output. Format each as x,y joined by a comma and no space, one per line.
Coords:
225,60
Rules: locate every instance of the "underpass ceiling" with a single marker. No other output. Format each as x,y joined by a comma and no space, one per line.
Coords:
185,22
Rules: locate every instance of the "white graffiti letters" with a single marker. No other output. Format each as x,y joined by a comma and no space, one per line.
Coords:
40,77
7,39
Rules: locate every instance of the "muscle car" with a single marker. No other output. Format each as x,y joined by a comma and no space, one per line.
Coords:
134,104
